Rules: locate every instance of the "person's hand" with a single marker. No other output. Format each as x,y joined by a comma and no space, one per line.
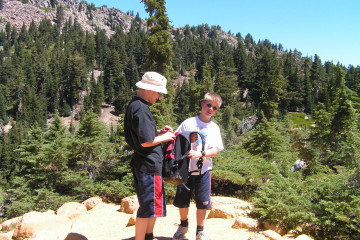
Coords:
194,154
168,136
165,130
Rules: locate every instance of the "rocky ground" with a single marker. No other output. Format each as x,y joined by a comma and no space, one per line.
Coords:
95,220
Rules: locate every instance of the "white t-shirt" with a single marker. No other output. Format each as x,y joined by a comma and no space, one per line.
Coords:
211,131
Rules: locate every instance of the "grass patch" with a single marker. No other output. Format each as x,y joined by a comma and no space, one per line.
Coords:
301,119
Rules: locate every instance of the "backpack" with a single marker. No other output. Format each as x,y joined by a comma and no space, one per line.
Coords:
176,164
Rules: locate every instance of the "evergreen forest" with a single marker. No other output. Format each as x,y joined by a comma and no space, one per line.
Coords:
300,107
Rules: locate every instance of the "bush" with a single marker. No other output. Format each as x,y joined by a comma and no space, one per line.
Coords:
284,200
335,205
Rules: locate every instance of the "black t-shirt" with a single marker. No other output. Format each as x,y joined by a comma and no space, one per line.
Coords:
140,127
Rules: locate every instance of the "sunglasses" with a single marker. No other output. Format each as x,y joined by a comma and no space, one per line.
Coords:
211,106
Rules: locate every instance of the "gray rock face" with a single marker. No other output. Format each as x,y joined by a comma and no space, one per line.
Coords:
17,14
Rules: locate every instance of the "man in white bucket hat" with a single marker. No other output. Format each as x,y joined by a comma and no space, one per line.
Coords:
143,137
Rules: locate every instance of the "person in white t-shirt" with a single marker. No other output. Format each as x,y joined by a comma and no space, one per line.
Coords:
200,179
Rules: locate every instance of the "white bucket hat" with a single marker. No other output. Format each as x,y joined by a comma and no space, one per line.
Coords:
153,81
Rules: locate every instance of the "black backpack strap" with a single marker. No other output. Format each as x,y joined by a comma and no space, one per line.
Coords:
187,135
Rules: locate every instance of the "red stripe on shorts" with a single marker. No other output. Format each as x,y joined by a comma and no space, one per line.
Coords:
158,196
210,188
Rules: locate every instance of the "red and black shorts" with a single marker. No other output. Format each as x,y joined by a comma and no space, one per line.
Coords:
150,193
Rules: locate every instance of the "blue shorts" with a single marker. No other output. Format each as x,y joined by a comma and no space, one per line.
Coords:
201,185
150,193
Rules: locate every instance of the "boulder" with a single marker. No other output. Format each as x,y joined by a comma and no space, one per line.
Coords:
104,222
92,202
9,224
129,204
226,207
303,237
42,224
258,236
132,219
274,226
245,222
222,212
71,210
272,235
7,235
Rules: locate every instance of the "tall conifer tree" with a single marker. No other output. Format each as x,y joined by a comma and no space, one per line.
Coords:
159,56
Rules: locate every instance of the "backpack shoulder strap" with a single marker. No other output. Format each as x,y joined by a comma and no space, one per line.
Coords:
187,135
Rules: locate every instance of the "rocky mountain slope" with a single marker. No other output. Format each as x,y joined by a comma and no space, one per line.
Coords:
16,13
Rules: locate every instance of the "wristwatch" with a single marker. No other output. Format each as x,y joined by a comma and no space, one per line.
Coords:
203,153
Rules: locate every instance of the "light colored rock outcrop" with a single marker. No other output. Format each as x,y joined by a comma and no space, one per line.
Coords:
226,207
129,204
245,222
9,224
272,235
71,210
105,221
91,202
303,237
39,225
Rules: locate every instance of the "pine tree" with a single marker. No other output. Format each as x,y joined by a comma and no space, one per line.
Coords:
159,41
113,75
101,47
308,99
75,79
3,115
159,56
206,82
182,101
195,94
317,78
243,67
266,139
267,87
97,94
32,108
23,35
89,49
92,149
230,125
345,142
335,139
352,78
226,86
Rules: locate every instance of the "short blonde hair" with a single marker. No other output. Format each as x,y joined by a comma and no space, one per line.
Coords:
211,96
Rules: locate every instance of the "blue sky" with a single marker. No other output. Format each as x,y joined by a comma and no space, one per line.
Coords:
328,28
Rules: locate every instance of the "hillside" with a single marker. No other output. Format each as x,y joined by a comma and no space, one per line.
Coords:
17,13
89,16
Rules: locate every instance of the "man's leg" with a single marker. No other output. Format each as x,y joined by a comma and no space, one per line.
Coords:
151,224
141,225
152,204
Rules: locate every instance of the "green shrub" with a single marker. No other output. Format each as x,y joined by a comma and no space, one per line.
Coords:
335,204
284,201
